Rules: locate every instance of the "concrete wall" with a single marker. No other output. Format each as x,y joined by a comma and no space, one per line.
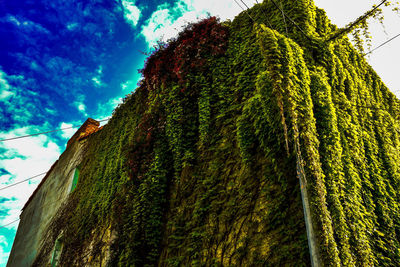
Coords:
43,205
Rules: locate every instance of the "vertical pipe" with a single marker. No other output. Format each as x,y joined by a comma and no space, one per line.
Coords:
312,241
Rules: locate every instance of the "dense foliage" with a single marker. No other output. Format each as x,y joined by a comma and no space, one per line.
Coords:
198,165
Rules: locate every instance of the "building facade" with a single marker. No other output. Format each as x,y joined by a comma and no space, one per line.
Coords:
59,182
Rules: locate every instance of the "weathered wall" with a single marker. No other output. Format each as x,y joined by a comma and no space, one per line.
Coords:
43,206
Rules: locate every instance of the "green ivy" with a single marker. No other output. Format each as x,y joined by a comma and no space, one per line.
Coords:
198,166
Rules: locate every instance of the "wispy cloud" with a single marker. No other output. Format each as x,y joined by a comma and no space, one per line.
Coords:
17,103
105,109
79,104
66,134
4,87
131,12
3,255
97,80
224,9
22,158
26,25
167,21
130,85
72,26
81,107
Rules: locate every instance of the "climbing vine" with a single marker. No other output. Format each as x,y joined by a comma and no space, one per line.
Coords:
199,166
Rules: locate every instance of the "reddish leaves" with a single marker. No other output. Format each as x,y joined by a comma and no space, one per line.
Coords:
188,52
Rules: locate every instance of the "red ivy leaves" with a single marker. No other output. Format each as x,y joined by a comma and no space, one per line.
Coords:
188,52
172,62
140,152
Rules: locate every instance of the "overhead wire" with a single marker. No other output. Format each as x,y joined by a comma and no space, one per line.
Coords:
379,46
51,131
41,206
266,16
239,5
246,11
5,225
282,11
291,20
245,4
284,15
344,30
370,107
14,184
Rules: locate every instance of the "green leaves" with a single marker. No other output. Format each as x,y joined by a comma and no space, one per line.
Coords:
198,165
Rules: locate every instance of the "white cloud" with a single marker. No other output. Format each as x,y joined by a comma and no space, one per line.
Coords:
5,94
160,26
51,111
3,256
104,110
3,82
13,20
3,240
4,87
68,132
81,107
115,101
23,158
100,70
72,26
224,9
79,103
27,24
131,12
166,22
129,85
97,81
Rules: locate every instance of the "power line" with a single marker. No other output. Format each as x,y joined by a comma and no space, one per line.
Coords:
22,181
266,16
23,136
41,206
347,29
379,46
3,226
291,20
283,13
239,5
56,130
370,107
245,4
245,10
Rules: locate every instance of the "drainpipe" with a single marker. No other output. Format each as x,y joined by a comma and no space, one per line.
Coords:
312,240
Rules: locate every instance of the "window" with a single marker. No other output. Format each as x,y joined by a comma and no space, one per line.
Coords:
55,259
75,179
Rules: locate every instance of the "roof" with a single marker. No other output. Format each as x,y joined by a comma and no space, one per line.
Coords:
89,127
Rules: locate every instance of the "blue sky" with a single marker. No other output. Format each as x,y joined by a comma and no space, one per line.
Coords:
64,61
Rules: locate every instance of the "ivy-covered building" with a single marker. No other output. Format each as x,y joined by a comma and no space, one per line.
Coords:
55,188
252,142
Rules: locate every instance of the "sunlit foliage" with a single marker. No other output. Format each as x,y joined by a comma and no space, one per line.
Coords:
198,165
